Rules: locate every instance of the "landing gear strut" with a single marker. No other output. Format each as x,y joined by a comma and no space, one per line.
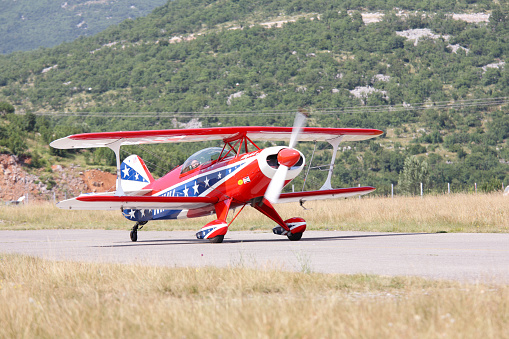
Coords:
134,231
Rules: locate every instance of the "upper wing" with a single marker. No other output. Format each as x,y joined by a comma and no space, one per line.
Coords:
87,140
112,202
325,194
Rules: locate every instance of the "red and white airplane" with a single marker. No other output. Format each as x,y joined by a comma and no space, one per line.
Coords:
215,179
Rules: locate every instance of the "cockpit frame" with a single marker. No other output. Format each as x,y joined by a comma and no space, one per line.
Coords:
238,144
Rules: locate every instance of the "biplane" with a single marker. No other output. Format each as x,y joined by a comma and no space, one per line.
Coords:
214,180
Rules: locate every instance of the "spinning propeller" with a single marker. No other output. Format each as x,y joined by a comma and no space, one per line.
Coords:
286,158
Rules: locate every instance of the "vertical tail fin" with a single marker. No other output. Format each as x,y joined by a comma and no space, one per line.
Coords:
134,174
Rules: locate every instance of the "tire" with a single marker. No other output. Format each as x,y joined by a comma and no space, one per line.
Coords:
134,235
217,239
294,237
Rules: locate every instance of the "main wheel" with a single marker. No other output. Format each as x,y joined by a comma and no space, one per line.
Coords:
217,239
134,235
294,237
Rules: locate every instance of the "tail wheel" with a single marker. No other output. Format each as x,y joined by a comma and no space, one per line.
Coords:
134,232
294,236
134,235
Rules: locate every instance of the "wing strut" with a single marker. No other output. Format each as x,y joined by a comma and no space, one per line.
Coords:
335,143
115,147
309,167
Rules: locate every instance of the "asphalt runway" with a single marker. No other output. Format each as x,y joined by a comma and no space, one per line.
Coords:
472,257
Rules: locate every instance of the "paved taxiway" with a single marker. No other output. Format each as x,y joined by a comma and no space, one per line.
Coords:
461,256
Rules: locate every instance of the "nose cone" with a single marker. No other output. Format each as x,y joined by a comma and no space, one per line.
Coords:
288,157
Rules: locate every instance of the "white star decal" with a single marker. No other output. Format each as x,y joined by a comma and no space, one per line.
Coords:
126,172
131,214
219,175
142,213
229,171
195,187
206,182
136,176
186,190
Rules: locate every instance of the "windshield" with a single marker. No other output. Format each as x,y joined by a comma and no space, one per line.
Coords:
204,156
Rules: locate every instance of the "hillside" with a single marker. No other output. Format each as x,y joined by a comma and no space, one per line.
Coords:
434,78
44,23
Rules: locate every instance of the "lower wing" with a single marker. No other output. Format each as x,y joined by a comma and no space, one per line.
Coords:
325,194
113,202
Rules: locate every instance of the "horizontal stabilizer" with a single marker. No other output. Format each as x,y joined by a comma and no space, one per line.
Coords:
325,194
112,202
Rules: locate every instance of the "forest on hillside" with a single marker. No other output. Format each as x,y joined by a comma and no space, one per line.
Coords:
28,25
441,99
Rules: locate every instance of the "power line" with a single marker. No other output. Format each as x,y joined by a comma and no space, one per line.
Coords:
317,111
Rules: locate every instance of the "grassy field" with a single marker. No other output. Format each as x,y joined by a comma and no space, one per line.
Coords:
47,299
441,213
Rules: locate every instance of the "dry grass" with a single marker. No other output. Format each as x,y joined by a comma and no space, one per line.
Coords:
442,213
48,299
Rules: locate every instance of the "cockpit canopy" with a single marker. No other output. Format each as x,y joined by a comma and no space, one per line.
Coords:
205,156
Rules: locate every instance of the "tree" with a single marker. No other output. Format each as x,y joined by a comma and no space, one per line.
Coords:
414,172
16,144
497,19
6,107
493,185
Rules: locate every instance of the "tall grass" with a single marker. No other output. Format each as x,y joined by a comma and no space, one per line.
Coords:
448,213
48,299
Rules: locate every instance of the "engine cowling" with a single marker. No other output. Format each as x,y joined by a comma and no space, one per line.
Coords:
269,160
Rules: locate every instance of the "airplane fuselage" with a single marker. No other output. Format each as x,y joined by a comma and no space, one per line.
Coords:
241,178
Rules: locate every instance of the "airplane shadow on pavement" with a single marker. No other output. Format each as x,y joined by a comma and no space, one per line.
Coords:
192,241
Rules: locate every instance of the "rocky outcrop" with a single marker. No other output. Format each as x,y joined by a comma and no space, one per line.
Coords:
62,182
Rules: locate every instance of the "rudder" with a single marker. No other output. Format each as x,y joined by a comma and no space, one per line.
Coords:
134,174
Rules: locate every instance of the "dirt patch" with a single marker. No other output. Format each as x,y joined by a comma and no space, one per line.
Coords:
99,181
61,183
